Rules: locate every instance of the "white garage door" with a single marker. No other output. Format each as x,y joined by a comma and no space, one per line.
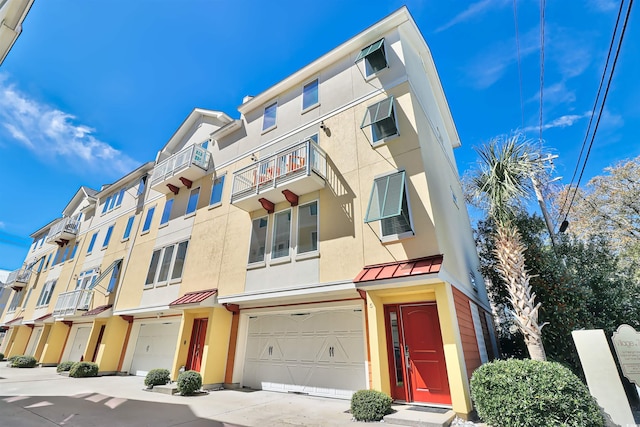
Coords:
33,341
79,343
155,347
319,353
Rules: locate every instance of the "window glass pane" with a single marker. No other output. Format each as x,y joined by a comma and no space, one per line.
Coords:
166,262
106,204
193,201
114,277
384,128
107,237
141,185
48,261
308,228
258,240
92,242
147,220
386,197
166,213
269,119
216,191
112,202
73,252
127,230
310,95
120,197
64,255
281,234
397,224
178,265
375,61
153,267
52,286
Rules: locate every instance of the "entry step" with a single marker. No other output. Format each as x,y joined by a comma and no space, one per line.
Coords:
420,416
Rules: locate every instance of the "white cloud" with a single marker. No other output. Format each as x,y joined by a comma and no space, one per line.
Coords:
555,94
2,224
604,5
51,133
473,10
561,122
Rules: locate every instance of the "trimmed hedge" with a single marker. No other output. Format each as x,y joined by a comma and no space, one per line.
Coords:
65,366
370,405
189,382
157,377
23,362
84,369
1,356
530,393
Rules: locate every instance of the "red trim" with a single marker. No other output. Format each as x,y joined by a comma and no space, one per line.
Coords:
363,293
194,297
187,182
175,190
291,197
234,308
67,322
128,319
267,205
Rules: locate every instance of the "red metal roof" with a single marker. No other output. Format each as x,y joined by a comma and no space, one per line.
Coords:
98,310
394,270
194,297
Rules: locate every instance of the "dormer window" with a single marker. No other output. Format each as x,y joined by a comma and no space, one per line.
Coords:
374,58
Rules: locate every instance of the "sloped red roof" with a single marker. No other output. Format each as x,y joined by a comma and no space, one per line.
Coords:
98,310
393,270
194,297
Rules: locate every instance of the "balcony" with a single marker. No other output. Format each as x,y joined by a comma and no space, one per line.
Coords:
296,170
63,231
70,303
181,169
18,279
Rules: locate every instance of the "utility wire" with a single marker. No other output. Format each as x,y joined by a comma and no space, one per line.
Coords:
593,111
604,100
542,7
515,20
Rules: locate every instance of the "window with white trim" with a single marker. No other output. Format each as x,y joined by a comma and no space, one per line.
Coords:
166,213
380,119
258,242
113,201
307,228
389,204
192,203
147,220
281,234
310,95
92,242
269,118
216,191
47,291
107,237
15,301
374,58
167,264
127,229
87,278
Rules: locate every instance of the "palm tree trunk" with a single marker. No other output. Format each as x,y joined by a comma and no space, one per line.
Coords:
511,266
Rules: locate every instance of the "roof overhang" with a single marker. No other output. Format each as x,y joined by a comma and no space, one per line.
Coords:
131,176
158,310
100,312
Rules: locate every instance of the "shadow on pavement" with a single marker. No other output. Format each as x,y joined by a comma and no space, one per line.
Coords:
92,409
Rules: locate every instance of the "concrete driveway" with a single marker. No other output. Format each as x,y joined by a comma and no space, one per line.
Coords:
41,397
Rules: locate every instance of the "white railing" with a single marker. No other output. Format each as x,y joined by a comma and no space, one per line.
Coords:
193,155
65,225
297,160
69,302
21,275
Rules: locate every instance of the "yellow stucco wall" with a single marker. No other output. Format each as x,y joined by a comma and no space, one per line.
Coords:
56,341
18,341
112,344
42,341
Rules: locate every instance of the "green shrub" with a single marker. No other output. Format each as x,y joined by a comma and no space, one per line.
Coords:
83,369
189,382
529,393
23,362
157,377
1,356
65,366
370,405
12,358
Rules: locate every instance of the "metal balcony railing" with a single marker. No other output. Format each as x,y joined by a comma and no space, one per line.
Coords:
298,160
65,229
21,275
193,155
69,303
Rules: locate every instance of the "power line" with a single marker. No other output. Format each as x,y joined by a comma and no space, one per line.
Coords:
593,110
515,20
604,100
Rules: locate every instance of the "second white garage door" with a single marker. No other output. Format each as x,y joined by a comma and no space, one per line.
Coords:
79,343
319,353
155,347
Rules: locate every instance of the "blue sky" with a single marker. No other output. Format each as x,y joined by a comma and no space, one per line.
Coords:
92,89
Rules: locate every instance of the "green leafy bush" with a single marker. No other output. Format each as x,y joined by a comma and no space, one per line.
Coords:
529,393
23,362
1,356
189,382
12,358
370,405
65,366
157,377
83,369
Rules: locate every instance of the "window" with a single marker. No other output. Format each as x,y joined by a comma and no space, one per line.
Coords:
87,279
127,229
308,228
310,95
48,261
106,204
166,213
120,197
113,201
381,118
167,264
92,242
115,273
107,237
388,203
269,119
148,219
374,58
61,255
40,265
141,185
15,300
258,240
26,300
216,191
73,251
281,234
45,294
192,204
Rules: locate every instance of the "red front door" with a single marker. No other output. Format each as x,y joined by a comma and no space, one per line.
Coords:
418,370
198,335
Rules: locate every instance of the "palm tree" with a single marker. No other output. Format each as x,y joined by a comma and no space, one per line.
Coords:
500,183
